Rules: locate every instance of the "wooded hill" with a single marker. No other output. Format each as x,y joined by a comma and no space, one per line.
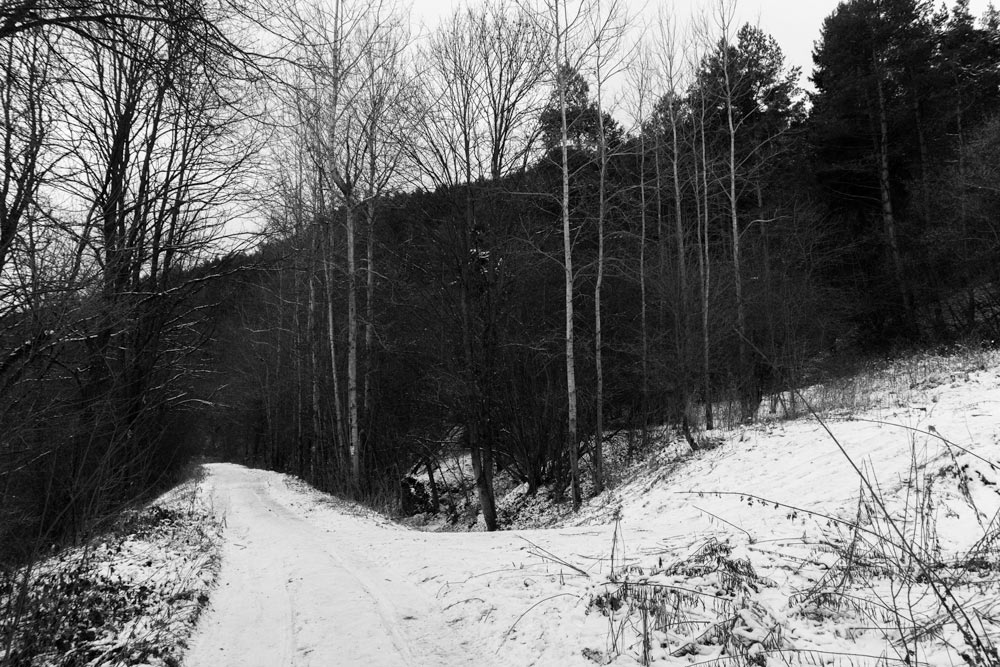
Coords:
466,243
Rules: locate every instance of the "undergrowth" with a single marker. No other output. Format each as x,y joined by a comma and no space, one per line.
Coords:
129,597
892,573
702,605
883,573
883,384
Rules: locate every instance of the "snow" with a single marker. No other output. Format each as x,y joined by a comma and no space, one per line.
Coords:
130,597
765,550
297,586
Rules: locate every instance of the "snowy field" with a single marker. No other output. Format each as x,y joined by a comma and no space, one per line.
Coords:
769,549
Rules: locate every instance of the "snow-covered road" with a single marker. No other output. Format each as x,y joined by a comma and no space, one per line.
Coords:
295,591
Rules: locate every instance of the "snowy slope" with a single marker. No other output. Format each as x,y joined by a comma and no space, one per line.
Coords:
766,550
130,596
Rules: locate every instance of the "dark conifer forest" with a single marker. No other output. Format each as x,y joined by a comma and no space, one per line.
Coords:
522,228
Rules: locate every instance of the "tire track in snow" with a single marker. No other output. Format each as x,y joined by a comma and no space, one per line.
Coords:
389,617
292,593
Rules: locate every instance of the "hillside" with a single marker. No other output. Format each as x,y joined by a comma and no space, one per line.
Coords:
767,549
772,545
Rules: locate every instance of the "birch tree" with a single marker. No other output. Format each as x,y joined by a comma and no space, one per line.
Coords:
566,25
750,103
640,79
345,102
608,27
672,83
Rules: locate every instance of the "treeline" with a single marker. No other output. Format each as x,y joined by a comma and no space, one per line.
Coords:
514,234
472,247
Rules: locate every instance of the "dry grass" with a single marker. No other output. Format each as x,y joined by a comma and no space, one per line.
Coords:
866,386
885,385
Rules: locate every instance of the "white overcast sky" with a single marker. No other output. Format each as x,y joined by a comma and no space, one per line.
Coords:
794,23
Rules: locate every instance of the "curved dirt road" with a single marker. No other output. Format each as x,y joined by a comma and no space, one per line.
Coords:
295,591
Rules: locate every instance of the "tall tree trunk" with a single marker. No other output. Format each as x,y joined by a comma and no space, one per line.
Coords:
682,278
960,136
480,445
571,436
965,249
661,233
705,269
602,147
925,181
643,308
661,241
299,430
369,306
339,441
745,378
313,374
888,218
482,465
352,348
679,214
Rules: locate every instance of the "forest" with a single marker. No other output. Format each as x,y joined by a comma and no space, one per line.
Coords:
308,237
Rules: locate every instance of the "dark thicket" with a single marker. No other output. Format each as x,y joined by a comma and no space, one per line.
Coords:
121,135
900,93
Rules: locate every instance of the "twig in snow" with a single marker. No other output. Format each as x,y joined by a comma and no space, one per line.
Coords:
933,433
728,523
526,612
463,602
545,553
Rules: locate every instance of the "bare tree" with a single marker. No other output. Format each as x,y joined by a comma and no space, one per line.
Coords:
26,102
158,151
672,73
725,16
124,156
481,96
449,156
345,106
609,26
385,115
566,26
641,85
701,178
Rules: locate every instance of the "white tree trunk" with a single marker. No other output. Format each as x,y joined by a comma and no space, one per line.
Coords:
369,305
602,139
733,216
705,266
571,436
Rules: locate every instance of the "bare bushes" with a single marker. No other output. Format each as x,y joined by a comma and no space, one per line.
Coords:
893,575
702,605
910,577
